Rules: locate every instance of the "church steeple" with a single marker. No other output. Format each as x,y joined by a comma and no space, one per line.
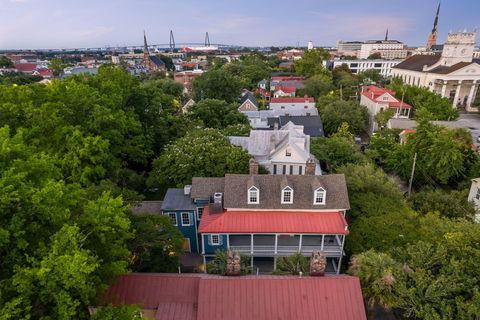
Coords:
432,38
386,35
145,45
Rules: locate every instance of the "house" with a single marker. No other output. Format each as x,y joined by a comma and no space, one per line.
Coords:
287,81
474,196
312,124
248,102
270,216
152,63
178,206
284,92
212,297
294,106
454,74
262,84
28,68
282,151
378,99
185,78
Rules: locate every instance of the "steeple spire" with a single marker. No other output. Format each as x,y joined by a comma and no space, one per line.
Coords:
145,45
435,22
386,35
432,38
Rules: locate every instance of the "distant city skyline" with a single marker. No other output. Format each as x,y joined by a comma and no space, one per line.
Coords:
68,24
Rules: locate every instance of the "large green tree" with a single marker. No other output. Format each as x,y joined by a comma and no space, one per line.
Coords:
217,84
334,112
311,63
217,114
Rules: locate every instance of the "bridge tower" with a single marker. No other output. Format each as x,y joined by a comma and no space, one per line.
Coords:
172,41
207,40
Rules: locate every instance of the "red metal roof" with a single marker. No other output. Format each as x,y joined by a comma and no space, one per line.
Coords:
293,100
26,67
286,89
319,298
273,222
211,297
373,93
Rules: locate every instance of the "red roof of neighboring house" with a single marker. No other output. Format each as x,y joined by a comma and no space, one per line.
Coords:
211,297
408,131
286,89
26,67
273,222
45,72
374,92
293,100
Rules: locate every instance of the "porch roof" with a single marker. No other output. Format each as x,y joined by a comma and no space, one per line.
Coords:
244,221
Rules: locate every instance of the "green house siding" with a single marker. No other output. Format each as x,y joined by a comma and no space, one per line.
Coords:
189,232
211,248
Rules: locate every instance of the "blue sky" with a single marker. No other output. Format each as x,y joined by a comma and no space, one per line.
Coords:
69,23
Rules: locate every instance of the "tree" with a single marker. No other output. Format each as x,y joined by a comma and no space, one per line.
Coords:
311,63
201,153
122,312
317,86
217,114
370,76
157,244
335,111
237,130
57,65
5,62
383,116
217,84
293,264
452,204
375,55
336,151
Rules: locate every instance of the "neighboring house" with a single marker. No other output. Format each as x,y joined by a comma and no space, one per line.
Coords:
454,74
262,84
271,216
79,70
286,65
282,151
294,106
178,206
187,106
312,124
287,81
474,196
248,102
284,92
185,78
384,67
265,119
213,297
28,68
45,73
378,99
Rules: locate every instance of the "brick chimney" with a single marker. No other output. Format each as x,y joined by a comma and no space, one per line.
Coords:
310,167
253,166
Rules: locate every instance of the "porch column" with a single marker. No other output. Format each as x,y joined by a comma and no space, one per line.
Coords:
251,244
471,95
276,244
457,94
300,244
444,89
274,263
228,241
323,241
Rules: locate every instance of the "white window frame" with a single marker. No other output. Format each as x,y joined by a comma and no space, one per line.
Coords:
284,190
170,215
189,219
215,243
255,189
317,191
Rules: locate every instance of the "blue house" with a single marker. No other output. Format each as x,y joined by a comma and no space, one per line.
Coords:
183,213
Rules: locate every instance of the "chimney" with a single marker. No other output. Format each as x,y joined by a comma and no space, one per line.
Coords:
310,167
217,205
187,190
275,125
253,166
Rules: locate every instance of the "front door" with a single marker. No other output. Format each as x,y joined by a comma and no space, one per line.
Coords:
186,245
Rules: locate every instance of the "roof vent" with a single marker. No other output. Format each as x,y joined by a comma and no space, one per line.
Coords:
187,190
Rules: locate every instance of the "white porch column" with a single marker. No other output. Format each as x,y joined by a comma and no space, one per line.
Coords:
471,95
228,241
457,93
300,244
323,241
444,89
251,243
276,244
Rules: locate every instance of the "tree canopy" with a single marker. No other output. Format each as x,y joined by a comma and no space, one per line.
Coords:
217,114
334,112
217,84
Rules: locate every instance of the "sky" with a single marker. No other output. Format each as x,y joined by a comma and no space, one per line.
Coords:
97,23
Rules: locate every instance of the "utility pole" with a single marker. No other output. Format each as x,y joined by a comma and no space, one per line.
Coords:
411,176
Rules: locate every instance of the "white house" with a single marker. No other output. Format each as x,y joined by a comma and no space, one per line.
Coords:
378,99
293,105
283,151
384,67
454,74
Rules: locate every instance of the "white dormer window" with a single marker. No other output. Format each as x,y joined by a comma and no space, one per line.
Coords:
287,195
253,195
319,196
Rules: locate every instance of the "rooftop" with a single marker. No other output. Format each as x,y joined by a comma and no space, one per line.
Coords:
175,199
293,100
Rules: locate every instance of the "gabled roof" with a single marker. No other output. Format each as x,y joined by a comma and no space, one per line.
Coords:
293,100
417,62
312,125
286,89
175,199
26,67
157,61
154,207
374,93
285,222
204,188
211,297
448,70
248,96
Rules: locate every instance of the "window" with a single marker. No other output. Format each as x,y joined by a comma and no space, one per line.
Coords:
282,107
199,213
300,168
305,107
319,196
274,169
284,169
253,195
477,196
287,195
215,239
288,152
186,219
173,218
291,169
